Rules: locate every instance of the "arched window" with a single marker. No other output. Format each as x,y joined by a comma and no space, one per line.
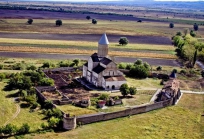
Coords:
113,87
107,87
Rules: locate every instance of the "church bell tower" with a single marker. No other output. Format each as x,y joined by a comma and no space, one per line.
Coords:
103,46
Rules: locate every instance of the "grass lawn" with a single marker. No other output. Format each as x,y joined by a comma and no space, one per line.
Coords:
181,121
34,119
72,110
7,105
147,83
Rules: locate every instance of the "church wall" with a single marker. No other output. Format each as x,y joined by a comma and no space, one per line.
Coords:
84,71
90,64
117,84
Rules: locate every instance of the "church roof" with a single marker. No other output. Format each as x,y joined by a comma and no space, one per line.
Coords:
103,40
98,69
95,57
114,78
105,61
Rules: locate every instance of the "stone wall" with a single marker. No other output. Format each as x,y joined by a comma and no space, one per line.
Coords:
86,119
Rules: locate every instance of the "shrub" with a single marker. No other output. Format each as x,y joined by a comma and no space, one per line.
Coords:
46,65
129,66
2,76
122,66
76,61
159,68
32,67
25,128
171,25
192,33
46,82
9,129
19,66
140,21
103,97
48,104
183,72
1,66
132,90
53,122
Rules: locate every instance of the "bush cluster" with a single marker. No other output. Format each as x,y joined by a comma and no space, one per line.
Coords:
10,129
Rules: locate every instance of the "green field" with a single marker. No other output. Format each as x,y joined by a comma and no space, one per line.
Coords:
85,27
7,105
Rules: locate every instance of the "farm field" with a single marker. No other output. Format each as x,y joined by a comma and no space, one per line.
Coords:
154,124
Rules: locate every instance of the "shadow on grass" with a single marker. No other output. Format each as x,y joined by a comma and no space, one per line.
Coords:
12,95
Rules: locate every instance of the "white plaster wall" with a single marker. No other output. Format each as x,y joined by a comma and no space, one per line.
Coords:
90,64
117,84
84,71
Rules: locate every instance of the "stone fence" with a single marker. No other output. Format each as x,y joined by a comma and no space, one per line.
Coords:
86,119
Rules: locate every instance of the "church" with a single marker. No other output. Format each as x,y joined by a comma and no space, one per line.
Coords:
101,70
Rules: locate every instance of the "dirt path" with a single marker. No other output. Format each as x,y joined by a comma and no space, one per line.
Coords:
18,109
151,61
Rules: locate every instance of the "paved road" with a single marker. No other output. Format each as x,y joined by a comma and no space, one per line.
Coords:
151,61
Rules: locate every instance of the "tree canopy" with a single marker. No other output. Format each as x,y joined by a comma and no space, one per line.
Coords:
30,21
123,41
195,27
88,17
171,25
58,22
94,21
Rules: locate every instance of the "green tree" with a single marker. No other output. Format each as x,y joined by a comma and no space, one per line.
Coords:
192,33
58,22
159,68
195,27
9,129
2,76
138,62
171,25
132,90
48,104
53,122
1,66
94,21
25,128
124,89
88,17
46,65
32,67
76,62
103,96
139,71
123,41
30,21
46,82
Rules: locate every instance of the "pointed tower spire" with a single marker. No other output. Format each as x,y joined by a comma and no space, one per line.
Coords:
103,46
103,40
